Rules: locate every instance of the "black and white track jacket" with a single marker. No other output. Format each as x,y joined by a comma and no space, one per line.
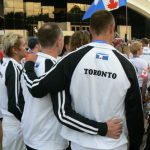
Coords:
102,84
11,98
41,129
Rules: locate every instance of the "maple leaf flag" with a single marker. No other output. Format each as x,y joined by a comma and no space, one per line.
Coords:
103,5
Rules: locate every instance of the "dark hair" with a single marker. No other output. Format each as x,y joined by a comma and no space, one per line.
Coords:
66,39
145,41
48,34
100,20
32,42
66,42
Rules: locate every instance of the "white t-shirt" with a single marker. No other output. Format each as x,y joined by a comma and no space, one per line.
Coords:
139,64
146,54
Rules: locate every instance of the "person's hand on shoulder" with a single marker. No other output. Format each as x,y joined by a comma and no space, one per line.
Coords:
31,57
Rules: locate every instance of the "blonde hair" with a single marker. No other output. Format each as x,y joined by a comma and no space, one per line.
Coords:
78,39
9,41
135,47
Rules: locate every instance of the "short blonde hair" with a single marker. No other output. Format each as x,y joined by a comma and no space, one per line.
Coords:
9,41
135,47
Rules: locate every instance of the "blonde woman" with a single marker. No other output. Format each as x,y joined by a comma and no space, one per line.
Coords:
11,99
140,65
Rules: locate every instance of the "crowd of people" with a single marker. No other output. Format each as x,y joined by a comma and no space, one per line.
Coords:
79,92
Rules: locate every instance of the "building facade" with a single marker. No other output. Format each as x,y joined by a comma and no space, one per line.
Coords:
28,14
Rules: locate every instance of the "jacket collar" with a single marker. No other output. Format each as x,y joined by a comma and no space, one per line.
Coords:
102,45
46,56
15,62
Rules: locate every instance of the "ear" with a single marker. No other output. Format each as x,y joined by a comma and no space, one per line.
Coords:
15,51
59,41
112,28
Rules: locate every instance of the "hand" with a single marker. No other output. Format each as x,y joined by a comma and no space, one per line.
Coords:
114,128
31,57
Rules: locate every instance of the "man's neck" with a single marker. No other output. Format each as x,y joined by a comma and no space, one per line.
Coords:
102,38
50,51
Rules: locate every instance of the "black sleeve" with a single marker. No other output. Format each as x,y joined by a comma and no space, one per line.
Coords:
48,64
57,79
68,117
52,81
21,101
134,114
12,84
133,106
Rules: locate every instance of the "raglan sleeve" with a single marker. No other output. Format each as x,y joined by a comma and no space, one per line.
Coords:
133,105
134,112
67,116
12,85
51,81
57,80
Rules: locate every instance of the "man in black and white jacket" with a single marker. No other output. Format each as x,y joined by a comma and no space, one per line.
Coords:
101,83
41,128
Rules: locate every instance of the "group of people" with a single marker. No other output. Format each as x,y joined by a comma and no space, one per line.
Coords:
89,97
138,53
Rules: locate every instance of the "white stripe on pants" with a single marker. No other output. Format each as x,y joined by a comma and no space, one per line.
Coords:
12,135
78,147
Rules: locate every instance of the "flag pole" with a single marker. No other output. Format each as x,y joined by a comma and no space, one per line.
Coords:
126,34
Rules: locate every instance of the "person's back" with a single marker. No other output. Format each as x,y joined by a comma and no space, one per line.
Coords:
41,128
100,70
98,77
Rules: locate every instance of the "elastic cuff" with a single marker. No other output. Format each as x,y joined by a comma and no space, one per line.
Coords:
102,129
29,65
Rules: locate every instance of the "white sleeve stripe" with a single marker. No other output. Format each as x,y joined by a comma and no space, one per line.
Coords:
34,81
35,84
29,85
70,123
45,74
48,72
40,78
16,87
72,119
